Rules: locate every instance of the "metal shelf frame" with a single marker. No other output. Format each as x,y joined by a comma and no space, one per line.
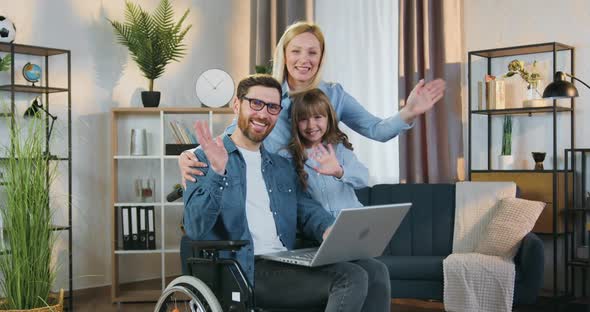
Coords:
577,211
45,90
489,54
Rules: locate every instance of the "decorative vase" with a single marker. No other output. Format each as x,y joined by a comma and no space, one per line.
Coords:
532,92
533,97
505,162
138,146
539,157
150,98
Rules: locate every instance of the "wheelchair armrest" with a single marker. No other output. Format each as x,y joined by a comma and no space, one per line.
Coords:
217,245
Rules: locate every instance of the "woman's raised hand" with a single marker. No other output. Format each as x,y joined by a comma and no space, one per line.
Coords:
422,98
329,164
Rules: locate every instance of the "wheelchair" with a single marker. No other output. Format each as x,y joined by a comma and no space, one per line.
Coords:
213,283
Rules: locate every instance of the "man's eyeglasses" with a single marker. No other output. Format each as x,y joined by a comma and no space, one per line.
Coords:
258,105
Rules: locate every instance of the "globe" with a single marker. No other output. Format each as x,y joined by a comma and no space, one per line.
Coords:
32,72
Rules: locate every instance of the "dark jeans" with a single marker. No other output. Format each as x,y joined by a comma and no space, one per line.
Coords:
348,286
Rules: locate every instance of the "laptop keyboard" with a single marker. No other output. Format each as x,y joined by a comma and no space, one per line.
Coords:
304,256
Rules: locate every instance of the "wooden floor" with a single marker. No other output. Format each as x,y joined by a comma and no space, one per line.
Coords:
98,299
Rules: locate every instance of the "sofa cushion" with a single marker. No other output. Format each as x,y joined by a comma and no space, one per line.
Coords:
414,267
512,220
427,229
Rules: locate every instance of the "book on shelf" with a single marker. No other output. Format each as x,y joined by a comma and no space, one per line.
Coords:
481,105
181,133
138,228
125,227
151,230
175,134
495,91
143,234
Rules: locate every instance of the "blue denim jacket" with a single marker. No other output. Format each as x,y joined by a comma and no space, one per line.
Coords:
215,205
348,110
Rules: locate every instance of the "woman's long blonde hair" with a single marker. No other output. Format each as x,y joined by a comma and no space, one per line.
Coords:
305,105
279,69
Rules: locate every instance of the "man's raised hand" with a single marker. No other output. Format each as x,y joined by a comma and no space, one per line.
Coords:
213,147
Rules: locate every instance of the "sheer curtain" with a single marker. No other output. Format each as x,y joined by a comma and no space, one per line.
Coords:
362,55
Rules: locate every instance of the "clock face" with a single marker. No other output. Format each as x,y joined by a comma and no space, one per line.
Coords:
215,88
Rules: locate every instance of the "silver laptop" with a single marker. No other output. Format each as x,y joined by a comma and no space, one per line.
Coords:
358,233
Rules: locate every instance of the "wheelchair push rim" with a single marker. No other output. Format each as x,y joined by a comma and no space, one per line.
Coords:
187,293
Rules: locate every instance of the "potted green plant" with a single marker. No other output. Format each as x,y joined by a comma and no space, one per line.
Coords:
263,69
506,159
153,40
25,262
5,62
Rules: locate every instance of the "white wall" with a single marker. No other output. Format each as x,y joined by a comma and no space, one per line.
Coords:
103,77
502,23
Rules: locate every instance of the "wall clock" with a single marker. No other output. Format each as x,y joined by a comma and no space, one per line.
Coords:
215,88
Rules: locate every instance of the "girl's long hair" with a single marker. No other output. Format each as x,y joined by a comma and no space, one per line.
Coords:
305,105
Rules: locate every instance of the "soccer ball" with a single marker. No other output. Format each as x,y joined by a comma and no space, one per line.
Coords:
7,30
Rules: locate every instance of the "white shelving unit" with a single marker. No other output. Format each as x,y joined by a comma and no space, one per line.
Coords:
164,170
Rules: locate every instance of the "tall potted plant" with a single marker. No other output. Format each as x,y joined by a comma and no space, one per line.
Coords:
153,40
25,263
506,159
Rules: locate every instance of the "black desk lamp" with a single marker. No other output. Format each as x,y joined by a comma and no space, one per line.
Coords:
33,111
560,88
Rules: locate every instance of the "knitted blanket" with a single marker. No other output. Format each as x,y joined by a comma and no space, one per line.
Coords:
472,281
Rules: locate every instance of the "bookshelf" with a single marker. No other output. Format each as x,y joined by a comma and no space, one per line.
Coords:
553,132
164,170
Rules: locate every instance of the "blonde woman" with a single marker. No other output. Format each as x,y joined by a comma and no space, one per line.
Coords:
298,61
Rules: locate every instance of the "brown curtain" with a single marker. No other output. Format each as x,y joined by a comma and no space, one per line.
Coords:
430,47
269,19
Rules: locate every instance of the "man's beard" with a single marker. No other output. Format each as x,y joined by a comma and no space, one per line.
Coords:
246,128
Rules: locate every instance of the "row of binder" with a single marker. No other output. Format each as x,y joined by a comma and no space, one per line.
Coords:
138,228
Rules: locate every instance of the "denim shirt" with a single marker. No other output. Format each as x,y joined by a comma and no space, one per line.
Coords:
348,110
215,205
336,194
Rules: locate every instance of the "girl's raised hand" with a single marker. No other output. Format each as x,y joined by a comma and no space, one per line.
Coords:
329,164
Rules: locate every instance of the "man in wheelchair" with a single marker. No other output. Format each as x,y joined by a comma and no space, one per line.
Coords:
249,194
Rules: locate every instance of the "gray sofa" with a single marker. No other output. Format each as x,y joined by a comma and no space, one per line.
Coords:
416,252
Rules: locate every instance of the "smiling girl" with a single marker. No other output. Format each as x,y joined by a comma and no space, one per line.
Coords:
322,154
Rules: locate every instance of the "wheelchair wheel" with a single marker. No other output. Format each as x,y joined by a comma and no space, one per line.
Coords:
187,293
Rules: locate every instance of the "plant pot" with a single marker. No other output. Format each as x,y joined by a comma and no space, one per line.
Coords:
55,304
506,162
150,98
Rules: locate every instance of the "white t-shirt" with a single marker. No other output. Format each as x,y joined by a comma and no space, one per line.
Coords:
260,220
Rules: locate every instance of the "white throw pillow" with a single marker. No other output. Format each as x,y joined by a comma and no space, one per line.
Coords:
514,218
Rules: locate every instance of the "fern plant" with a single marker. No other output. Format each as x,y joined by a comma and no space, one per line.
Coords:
5,62
27,272
153,40
263,69
507,136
